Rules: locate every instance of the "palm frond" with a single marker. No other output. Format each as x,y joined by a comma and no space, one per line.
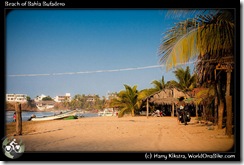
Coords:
211,33
205,96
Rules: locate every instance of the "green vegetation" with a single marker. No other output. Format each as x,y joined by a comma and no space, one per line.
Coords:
186,81
209,37
28,98
48,98
88,102
127,100
158,85
208,34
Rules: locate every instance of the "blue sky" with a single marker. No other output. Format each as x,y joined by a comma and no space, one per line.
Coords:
61,41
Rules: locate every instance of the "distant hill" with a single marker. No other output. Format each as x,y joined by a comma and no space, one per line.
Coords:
29,106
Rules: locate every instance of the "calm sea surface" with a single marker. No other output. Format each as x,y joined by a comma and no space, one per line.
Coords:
27,115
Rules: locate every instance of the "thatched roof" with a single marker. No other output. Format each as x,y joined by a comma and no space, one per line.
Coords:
167,96
164,100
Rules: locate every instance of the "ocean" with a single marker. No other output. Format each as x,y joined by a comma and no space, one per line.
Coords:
27,115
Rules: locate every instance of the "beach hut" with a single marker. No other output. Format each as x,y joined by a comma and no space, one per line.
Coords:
166,97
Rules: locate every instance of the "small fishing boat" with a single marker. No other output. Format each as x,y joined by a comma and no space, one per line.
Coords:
55,117
107,112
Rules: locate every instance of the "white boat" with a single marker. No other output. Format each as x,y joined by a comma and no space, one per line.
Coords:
45,105
55,117
107,112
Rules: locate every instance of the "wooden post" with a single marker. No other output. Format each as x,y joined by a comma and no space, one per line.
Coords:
221,113
18,119
196,110
147,107
216,110
228,99
215,102
203,112
220,107
173,110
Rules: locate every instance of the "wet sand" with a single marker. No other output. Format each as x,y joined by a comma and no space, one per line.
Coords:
122,134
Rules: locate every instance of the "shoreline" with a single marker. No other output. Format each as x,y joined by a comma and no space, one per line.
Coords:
51,110
121,134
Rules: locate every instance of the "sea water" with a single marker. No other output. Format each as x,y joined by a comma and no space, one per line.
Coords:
27,115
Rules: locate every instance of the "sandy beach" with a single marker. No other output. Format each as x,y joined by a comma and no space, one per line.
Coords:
122,134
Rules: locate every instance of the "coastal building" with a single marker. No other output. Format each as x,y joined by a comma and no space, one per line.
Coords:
66,97
39,98
45,105
90,98
16,97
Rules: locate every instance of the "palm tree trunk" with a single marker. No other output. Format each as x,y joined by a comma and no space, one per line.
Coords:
228,105
132,112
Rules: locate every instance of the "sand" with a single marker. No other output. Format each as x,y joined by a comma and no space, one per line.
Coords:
122,134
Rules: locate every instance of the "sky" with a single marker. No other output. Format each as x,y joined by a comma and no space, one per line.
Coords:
54,52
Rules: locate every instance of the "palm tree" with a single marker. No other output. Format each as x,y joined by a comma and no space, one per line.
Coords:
172,84
208,37
158,85
206,34
127,101
186,81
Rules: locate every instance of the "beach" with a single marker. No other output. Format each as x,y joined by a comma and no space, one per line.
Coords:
122,134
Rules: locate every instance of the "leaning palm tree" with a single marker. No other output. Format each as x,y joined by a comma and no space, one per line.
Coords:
208,37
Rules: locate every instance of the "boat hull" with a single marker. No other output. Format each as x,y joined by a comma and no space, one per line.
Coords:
56,117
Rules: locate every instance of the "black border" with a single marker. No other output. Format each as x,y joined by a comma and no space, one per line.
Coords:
124,156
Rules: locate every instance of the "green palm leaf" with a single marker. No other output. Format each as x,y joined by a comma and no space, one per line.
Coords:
205,34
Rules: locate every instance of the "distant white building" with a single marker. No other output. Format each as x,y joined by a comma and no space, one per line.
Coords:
66,97
44,105
16,97
39,98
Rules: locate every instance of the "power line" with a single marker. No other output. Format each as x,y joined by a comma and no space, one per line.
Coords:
96,71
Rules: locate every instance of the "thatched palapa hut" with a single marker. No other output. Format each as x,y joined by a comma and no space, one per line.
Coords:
166,97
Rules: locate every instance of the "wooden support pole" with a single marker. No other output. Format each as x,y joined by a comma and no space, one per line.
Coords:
216,111
197,110
220,114
215,102
147,107
173,110
228,99
18,119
